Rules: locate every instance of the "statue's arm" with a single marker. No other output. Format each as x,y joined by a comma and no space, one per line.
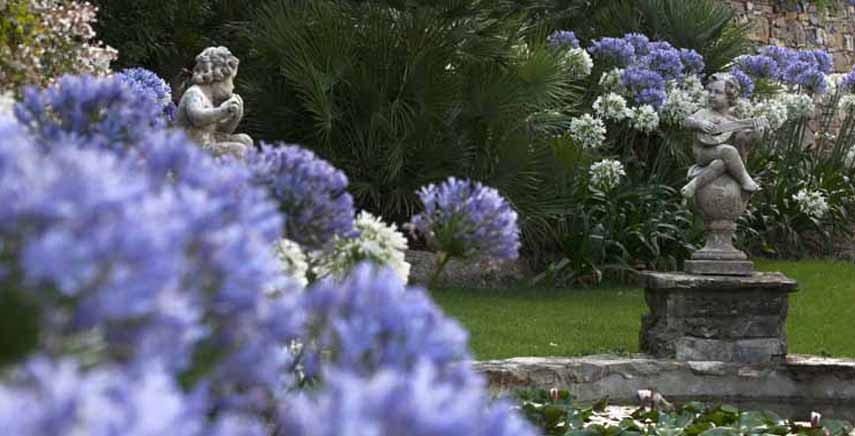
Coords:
199,115
229,124
694,122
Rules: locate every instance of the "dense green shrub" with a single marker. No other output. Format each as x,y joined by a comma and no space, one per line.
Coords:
401,94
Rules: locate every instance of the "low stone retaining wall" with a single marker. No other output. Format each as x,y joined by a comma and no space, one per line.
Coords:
793,388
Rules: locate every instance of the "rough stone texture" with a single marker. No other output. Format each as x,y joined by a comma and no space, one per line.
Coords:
772,22
473,274
793,388
717,318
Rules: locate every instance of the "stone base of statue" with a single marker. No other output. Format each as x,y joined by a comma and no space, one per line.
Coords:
719,203
716,318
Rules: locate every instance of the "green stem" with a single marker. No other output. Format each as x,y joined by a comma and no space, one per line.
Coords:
441,259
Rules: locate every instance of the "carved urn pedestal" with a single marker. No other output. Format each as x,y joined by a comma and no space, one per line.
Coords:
720,203
720,318
719,309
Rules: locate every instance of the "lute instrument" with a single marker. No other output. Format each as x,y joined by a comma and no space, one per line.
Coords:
724,131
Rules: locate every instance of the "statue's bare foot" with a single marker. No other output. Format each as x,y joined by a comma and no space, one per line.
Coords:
750,186
688,191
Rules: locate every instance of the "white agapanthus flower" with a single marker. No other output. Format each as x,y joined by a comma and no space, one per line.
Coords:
377,242
644,118
293,261
587,131
798,105
579,62
774,110
7,102
678,105
744,108
695,88
611,107
610,80
811,203
847,103
606,174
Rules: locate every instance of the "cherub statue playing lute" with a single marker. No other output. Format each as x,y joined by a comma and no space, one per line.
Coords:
715,126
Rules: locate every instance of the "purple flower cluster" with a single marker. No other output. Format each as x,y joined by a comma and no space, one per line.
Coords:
639,42
155,264
666,62
467,219
100,113
847,83
388,404
353,323
746,84
758,66
149,85
561,38
806,69
644,86
312,194
614,52
692,61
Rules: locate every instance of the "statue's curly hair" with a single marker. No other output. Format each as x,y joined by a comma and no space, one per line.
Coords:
732,88
214,64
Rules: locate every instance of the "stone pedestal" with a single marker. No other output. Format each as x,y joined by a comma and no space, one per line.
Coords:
716,318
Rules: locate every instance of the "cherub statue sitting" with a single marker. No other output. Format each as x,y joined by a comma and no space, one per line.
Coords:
210,110
715,126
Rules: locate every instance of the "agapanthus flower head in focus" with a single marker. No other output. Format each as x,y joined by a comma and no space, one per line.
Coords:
375,241
466,219
587,131
811,203
645,87
613,51
148,84
606,174
611,107
759,66
312,193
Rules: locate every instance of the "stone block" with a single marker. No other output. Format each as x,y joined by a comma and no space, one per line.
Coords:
753,351
720,267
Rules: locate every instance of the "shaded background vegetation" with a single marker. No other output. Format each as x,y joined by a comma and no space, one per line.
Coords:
400,93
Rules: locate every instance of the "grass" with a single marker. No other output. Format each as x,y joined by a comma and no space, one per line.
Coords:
572,322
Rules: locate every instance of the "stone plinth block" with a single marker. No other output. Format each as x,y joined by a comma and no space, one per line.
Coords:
716,318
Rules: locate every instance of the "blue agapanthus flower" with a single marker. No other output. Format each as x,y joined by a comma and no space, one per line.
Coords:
666,62
59,398
390,402
149,85
693,62
783,56
807,76
312,194
613,51
820,59
562,38
467,219
847,82
98,112
746,84
640,43
759,66
159,267
353,324
644,86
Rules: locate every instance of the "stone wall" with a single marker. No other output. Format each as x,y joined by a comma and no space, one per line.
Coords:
795,26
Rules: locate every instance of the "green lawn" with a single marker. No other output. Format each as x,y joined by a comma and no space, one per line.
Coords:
572,322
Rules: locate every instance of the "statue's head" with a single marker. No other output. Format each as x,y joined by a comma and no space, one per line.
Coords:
723,90
216,67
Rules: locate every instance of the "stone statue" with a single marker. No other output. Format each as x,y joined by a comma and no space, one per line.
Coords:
209,110
719,183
